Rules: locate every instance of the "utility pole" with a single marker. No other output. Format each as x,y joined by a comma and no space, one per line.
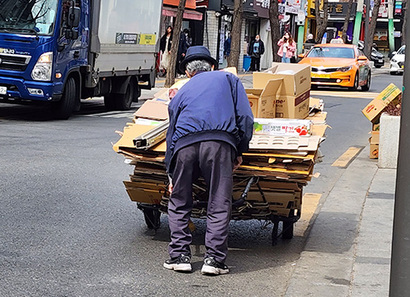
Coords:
358,21
367,50
400,260
391,25
301,19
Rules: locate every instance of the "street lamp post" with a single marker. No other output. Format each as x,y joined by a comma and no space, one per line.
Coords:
400,260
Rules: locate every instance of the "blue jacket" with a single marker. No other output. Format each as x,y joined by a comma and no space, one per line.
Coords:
211,106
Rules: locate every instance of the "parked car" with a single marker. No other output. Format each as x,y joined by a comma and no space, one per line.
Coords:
375,56
342,65
397,61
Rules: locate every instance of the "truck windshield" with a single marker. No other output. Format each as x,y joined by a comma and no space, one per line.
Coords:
35,17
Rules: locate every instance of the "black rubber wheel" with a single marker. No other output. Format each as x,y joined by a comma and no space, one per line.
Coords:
378,66
287,231
356,83
366,87
152,218
64,108
120,101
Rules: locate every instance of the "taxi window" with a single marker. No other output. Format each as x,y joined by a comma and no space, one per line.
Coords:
331,52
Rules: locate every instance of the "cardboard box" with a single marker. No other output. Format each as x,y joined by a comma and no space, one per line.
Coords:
296,78
374,151
293,107
290,127
262,101
375,139
390,95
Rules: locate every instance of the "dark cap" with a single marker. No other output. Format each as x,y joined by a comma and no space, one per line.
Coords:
198,52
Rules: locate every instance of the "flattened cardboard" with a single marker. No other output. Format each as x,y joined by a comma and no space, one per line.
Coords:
153,110
296,78
373,110
129,133
262,100
143,195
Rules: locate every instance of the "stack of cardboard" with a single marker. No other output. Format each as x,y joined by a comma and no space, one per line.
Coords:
389,100
289,127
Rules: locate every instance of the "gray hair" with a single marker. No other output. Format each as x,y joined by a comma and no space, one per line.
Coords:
198,65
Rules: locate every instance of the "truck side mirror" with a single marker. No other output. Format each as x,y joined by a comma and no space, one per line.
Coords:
71,33
74,17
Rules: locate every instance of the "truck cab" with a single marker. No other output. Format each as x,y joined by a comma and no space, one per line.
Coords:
51,51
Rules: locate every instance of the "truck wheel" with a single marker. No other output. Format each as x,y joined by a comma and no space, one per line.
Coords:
120,101
65,107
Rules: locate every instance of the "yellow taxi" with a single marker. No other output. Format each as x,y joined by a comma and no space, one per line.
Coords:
335,64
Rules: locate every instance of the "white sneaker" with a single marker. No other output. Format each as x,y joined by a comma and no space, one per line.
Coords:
213,267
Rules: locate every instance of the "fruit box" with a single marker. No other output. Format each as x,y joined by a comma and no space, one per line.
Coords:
390,95
282,127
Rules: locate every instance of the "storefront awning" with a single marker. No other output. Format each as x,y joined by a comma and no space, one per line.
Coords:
188,13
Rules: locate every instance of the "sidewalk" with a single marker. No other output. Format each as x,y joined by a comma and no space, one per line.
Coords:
349,247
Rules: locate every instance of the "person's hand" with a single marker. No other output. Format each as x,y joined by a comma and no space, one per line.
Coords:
170,188
237,163
183,55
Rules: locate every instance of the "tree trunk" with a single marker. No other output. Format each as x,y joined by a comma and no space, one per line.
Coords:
233,58
274,28
170,80
372,28
403,31
347,21
321,22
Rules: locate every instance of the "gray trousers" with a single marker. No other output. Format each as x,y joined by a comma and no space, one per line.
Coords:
214,161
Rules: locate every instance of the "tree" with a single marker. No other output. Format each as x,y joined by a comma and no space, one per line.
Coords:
372,28
170,79
322,15
233,58
403,33
274,27
347,20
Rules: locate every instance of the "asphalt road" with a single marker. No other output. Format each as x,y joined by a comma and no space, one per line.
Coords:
68,227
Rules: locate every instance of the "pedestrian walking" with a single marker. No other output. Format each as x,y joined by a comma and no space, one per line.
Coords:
310,39
210,126
165,49
182,48
256,50
287,48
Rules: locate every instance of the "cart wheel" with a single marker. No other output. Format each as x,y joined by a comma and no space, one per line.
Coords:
287,232
275,230
152,218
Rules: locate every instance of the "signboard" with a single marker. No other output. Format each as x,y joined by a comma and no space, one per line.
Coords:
189,3
335,9
148,39
126,38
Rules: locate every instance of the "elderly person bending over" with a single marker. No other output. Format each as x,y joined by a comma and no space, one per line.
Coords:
210,127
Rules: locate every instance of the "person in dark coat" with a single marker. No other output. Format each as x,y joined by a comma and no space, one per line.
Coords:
165,48
210,126
256,50
182,48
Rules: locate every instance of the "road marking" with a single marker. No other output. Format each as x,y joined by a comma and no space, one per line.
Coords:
112,114
310,202
338,93
345,159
